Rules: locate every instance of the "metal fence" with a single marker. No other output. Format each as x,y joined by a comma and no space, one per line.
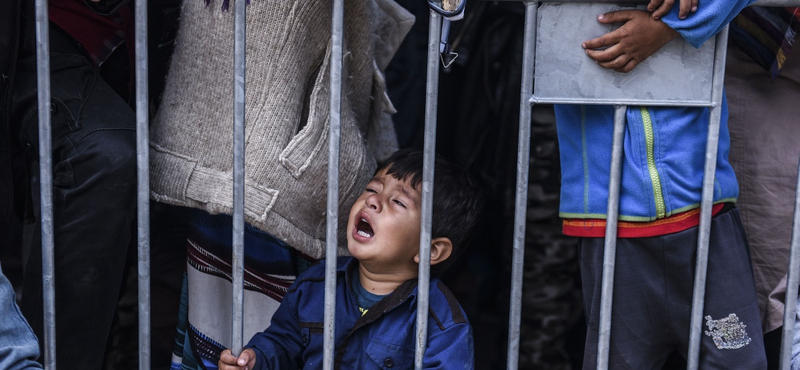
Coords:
528,98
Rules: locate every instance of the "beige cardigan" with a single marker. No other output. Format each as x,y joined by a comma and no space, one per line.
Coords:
286,112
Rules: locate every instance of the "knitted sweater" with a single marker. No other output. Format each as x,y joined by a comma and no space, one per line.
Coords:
286,112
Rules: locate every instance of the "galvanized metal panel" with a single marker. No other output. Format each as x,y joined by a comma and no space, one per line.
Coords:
565,74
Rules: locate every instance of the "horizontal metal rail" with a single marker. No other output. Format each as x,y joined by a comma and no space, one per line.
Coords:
645,2
631,102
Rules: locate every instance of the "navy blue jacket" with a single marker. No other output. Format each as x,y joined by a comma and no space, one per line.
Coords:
383,338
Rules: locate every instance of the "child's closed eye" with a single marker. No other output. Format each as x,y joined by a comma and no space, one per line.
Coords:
400,203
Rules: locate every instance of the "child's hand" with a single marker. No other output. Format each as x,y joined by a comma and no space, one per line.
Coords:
637,39
661,7
246,360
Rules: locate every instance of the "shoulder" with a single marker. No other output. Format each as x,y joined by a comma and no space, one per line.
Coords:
444,307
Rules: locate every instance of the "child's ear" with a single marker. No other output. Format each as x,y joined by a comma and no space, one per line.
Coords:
441,249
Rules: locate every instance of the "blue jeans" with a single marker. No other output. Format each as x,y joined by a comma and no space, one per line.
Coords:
18,346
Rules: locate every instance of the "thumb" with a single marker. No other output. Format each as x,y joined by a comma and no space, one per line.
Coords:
615,17
244,358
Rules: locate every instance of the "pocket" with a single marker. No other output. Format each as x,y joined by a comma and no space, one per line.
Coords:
311,139
310,331
390,356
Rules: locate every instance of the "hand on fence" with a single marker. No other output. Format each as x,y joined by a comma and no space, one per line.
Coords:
637,39
661,7
246,360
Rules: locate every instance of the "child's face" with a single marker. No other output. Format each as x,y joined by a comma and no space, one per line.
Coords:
384,225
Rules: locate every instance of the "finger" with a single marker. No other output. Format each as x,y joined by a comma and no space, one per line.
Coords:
617,16
653,5
227,357
686,7
628,66
245,357
663,9
606,55
608,40
616,63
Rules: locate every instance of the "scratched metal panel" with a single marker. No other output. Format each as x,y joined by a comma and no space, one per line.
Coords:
677,73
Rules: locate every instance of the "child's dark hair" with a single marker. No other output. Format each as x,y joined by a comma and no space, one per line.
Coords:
457,200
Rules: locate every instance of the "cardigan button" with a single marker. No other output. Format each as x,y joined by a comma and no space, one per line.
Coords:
388,362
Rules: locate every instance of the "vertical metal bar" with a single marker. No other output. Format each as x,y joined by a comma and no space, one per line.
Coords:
239,45
46,181
429,147
610,247
334,134
143,180
523,167
709,173
792,279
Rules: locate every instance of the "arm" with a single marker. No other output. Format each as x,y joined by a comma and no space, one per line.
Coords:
450,349
707,21
280,346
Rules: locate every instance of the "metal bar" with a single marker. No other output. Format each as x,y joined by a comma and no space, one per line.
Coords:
701,267
644,2
334,135
143,183
521,200
237,263
790,304
777,3
630,102
429,147
610,247
46,181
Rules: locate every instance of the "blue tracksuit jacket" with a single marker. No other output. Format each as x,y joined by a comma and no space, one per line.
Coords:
664,147
383,338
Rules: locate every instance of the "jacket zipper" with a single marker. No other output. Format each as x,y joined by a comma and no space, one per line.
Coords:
661,211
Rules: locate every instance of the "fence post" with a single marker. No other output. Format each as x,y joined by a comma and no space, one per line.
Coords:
46,181
521,199
143,182
334,135
237,262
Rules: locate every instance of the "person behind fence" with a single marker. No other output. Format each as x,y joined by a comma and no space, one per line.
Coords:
287,114
376,288
19,348
93,164
661,186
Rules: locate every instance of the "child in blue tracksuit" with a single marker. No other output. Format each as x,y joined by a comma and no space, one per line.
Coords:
662,175
376,289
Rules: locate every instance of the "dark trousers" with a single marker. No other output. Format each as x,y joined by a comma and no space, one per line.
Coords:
94,199
652,300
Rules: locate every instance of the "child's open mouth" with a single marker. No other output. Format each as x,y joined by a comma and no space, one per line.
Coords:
364,229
